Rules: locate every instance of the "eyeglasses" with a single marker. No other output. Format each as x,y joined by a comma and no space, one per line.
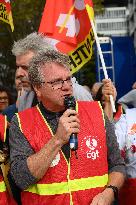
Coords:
58,84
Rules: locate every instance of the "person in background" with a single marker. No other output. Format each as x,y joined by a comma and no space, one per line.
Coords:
5,98
5,196
129,99
95,88
125,130
22,85
101,91
42,164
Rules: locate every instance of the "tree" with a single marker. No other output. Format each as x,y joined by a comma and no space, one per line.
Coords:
26,17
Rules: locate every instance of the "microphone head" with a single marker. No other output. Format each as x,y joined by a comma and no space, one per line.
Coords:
70,102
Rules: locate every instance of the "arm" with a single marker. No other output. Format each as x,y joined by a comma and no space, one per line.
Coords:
68,124
20,149
107,196
36,164
108,110
107,90
116,168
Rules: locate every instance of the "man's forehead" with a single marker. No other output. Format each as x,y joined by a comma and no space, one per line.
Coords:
55,69
55,66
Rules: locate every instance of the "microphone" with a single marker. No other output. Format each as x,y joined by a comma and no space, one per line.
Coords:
70,103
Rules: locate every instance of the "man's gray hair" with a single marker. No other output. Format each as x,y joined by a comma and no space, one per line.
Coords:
41,60
33,42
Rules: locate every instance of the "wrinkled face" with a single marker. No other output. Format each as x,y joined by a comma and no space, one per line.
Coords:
56,85
22,63
21,82
18,80
4,100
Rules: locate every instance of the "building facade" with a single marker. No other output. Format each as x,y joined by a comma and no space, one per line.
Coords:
132,19
113,21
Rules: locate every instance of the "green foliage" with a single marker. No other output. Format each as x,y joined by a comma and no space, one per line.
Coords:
26,17
98,5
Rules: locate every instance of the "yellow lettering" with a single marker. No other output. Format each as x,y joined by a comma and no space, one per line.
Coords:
82,54
2,7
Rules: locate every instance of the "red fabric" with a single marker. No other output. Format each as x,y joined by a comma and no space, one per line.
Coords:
2,127
91,130
5,198
51,28
8,8
89,2
127,194
118,113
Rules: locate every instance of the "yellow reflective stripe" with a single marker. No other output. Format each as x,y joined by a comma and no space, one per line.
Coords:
88,183
49,189
102,112
2,186
67,187
19,122
5,128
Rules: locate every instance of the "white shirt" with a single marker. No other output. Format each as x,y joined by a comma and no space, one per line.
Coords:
125,130
79,92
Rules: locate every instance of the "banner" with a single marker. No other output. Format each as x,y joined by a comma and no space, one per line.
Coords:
5,13
67,25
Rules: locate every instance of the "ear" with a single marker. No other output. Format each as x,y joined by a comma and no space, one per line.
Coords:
37,89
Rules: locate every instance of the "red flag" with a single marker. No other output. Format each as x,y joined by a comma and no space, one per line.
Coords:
68,26
5,13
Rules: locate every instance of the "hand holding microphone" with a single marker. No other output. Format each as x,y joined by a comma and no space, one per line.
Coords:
70,103
68,125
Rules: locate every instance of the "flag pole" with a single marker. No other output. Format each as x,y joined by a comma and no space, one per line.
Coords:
90,14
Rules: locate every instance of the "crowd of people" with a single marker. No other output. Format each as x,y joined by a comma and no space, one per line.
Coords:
38,164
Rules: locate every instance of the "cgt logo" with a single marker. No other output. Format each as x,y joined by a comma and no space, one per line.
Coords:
94,155
92,147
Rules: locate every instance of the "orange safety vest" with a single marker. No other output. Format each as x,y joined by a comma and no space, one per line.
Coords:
5,198
76,182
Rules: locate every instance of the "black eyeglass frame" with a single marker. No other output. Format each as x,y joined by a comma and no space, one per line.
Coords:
58,83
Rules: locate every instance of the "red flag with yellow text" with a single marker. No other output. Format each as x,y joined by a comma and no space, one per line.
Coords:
5,13
67,25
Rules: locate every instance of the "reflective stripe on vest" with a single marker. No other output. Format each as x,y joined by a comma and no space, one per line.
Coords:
2,186
71,185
